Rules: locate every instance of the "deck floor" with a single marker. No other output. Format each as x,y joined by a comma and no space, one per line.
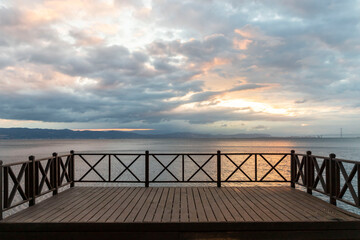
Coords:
182,204
181,213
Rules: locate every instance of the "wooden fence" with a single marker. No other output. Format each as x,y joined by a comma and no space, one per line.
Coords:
31,179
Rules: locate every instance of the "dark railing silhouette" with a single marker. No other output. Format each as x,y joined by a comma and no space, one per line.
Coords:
31,179
328,176
197,167
34,178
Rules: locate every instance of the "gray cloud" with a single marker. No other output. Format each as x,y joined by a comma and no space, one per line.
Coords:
308,50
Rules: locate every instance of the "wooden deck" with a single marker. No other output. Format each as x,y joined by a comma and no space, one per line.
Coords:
181,213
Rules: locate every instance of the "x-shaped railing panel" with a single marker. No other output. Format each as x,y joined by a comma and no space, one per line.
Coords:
17,186
165,168
126,168
319,173
92,167
238,167
348,182
44,175
200,168
300,169
273,167
65,170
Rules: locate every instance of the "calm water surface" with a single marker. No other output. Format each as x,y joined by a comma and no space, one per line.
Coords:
18,150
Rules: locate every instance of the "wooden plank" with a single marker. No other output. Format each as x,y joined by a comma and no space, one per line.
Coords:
246,201
165,205
223,208
119,202
296,204
60,210
56,208
104,208
81,209
242,212
184,210
93,207
121,207
63,205
191,205
199,206
131,206
261,205
329,207
290,207
207,208
273,207
161,206
229,206
32,211
150,214
320,207
175,214
168,206
216,210
145,208
140,203
311,211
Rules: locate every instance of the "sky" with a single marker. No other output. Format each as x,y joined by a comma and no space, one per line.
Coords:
282,67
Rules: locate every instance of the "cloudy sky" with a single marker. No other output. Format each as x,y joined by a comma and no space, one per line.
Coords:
283,67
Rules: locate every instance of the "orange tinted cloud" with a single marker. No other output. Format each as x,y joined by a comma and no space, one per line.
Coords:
115,129
250,33
215,62
205,67
241,44
245,34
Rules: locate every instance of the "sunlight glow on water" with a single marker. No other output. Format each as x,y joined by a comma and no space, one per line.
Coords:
19,150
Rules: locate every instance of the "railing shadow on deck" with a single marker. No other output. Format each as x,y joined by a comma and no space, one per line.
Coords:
337,179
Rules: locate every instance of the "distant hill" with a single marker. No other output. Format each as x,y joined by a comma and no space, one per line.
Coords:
36,133
199,135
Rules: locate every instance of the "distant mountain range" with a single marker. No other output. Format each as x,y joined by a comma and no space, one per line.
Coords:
35,133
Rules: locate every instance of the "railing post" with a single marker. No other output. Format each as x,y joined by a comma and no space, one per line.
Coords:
309,172
1,191
292,168
32,183
54,170
72,168
218,168
334,179
147,168
37,190
109,168
6,187
256,168
327,175
183,167
358,184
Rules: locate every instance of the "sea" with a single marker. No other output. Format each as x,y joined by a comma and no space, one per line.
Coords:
19,150
345,148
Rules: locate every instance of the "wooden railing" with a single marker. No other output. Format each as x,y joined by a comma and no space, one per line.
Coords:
329,176
34,178
336,178
187,171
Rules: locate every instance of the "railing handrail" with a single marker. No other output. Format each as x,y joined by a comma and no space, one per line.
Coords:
175,153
